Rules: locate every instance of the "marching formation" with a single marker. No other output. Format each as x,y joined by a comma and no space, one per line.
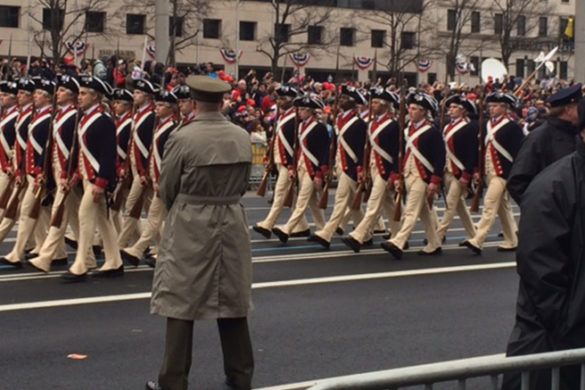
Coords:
76,153
397,153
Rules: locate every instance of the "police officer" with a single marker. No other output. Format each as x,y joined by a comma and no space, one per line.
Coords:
424,161
36,176
283,155
64,122
502,141
460,136
205,250
96,137
311,165
384,145
165,106
547,143
139,150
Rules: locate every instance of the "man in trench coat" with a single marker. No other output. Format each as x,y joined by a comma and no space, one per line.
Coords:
204,267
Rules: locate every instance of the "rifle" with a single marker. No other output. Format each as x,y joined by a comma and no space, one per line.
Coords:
357,200
288,200
57,218
36,209
12,208
401,122
480,159
269,166
124,186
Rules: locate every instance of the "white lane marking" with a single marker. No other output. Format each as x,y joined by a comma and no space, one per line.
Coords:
262,285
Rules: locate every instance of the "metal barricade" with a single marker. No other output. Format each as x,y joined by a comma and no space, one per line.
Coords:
257,171
460,371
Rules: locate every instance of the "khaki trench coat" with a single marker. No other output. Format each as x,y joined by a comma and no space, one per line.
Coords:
204,265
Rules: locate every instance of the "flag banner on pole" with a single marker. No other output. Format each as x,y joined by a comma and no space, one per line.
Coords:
423,65
300,59
151,51
77,48
363,62
230,55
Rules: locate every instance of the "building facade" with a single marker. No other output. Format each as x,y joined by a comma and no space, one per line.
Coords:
403,36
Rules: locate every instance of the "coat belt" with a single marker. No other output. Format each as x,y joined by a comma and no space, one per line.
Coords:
208,200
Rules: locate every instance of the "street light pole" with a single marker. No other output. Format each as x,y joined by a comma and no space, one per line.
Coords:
237,39
579,37
161,31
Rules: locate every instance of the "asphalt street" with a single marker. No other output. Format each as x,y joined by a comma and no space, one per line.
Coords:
318,313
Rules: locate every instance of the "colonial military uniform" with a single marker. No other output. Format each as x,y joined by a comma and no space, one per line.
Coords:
37,178
24,118
502,141
139,150
554,139
62,159
157,210
96,137
123,132
7,139
383,136
351,133
183,92
311,162
424,162
460,136
283,155
205,249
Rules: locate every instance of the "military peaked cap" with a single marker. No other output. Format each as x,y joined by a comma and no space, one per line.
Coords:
207,89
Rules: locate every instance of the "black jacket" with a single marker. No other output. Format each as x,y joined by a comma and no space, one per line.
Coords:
388,139
550,314
510,137
355,137
464,145
432,147
546,144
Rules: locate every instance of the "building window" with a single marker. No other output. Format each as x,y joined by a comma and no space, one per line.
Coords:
407,40
346,36
451,19
48,22
521,26
564,70
474,61
530,66
563,22
176,25
542,26
247,31
94,21
498,24
315,35
378,38
211,28
282,32
135,24
9,16
520,64
475,22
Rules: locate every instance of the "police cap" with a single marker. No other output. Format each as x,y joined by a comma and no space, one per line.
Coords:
207,89
565,96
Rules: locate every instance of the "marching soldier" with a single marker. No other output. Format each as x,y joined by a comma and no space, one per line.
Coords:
62,157
384,145
165,106
122,108
142,132
351,133
283,155
36,176
311,165
422,168
186,104
502,141
460,136
97,172
24,98
9,91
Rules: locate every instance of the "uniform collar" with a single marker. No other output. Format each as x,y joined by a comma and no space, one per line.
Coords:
92,109
417,125
43,110
10,110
